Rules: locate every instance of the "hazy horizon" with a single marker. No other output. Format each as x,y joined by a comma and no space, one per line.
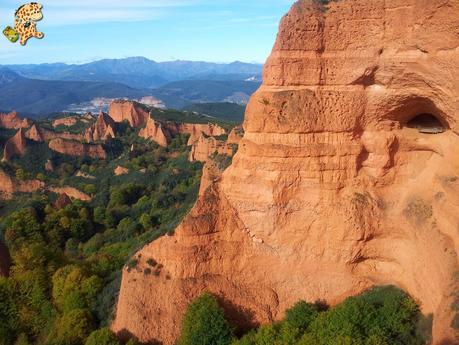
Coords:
161,30
134,57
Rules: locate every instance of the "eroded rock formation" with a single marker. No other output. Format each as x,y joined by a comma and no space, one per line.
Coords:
102,129
15,146
330,192
10,185
163,132
65,121
131,111
39,134
119,170
13,121
70,192
204,147
156,132
75,148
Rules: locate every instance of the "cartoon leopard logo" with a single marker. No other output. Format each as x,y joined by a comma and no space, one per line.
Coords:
25,23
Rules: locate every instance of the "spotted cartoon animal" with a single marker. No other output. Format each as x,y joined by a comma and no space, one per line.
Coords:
25,23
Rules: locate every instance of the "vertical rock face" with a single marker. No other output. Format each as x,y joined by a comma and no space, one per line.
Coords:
163,132
103,129
133,112
10,185
39,134
15,146
74,148
205,146
156,132
331,190
13,121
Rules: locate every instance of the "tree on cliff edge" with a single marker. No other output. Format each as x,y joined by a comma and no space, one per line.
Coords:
204,323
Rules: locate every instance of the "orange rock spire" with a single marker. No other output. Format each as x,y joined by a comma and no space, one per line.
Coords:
331,191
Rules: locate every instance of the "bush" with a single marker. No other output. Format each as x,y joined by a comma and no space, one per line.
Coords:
204,323
103,336
381,316
72,328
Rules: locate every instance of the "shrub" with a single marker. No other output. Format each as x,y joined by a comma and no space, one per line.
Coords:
103,336
204,323
72,328
152,262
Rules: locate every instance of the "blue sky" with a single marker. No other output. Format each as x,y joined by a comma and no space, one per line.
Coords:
80,31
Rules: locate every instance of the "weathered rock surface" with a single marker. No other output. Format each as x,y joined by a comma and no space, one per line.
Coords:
65,121
13,121
156,132
15,146
163,132
119,170
62,201
75,148
70,192
131,111
205,147
330,192
10,185
49,166
102,129
235,135
39,134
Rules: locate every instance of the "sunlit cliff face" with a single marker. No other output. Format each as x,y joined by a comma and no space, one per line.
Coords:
349,164
347,175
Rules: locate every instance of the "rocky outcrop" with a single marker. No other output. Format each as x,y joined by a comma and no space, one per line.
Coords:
10,185
235,135
103,129
119,170
15,146
5,260
62,201
65,121
49,166
13,121
70,192
195,130
156,132
133,112
206,146
85,175
77,149
40,134
330,192
163,132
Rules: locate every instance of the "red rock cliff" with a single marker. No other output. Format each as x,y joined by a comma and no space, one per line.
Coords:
133,112
74,148
10,185
40,134
102,129
331,191
13,121
163,132
15,146
205,146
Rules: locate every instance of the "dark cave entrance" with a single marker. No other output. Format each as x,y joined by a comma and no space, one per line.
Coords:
427,123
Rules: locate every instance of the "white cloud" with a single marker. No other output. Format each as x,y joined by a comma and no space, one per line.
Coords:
70,12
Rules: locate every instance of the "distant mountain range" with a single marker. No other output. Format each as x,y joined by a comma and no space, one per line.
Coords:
139,72
35,96
48,88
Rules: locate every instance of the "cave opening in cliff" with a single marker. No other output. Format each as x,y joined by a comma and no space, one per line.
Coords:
427,123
